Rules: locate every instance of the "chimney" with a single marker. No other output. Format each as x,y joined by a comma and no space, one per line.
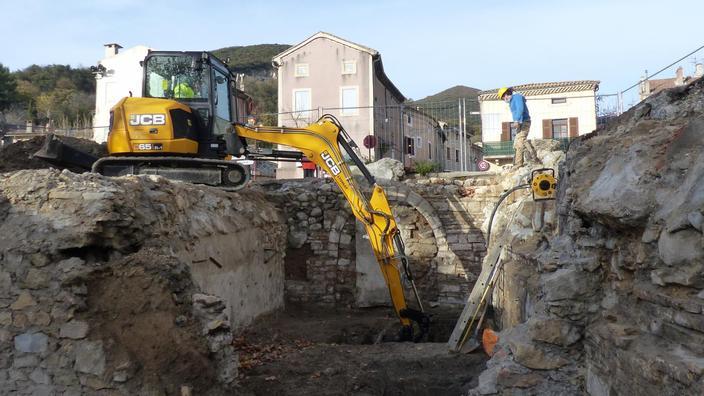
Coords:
112,49
679,76
698,70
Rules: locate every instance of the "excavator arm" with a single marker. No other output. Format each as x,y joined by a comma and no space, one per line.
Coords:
321,142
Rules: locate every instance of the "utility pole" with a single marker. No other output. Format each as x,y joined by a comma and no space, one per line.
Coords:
459,131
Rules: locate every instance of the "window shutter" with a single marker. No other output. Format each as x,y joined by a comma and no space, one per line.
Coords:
505,131
547,129
574,127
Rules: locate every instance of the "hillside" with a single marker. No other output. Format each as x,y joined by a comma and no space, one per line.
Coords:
251,59
452,94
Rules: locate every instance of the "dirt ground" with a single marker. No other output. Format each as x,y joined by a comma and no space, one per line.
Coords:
309,351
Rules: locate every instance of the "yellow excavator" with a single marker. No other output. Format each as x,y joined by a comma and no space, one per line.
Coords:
186,127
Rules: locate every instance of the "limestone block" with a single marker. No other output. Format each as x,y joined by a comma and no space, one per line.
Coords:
554,331
687,275
90,357
680,248
31,342
535,357
568,283
23,301
36,279
74,329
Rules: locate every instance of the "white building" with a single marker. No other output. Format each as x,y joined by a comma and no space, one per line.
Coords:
558,110
119,74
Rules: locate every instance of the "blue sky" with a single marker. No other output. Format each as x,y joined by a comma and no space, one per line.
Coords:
426,46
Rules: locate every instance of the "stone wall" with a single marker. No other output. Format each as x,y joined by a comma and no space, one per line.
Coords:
439,220
100,290
614,301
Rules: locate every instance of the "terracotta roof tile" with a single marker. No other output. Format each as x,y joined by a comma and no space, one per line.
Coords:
534,89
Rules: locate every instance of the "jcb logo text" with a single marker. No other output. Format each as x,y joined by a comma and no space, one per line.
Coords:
147,119
334,169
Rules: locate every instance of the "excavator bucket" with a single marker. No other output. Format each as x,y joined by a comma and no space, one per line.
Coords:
57,153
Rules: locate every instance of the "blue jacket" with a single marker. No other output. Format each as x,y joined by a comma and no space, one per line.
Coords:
519,110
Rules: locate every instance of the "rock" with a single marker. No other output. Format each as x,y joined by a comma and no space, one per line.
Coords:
687,275
529,354
386,169
74,329
206,300
25,361
31,342
681,248
510,379
90,357
23,301
40,376
36,279
696,219
316,212
5,318
297,238
487,382
215,325
567,283
554,331
5,284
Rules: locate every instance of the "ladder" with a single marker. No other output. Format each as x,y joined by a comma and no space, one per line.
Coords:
473,311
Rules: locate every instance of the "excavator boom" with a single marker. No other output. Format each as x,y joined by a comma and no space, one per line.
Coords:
321,142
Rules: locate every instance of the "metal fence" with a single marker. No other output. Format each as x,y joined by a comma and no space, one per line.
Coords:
439,132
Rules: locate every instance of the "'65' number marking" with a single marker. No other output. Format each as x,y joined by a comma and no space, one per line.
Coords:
334,169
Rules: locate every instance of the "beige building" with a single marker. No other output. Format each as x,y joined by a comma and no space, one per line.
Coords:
325,74
558,110
649,86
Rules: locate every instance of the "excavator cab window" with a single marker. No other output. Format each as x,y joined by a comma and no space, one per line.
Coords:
177,77
222,118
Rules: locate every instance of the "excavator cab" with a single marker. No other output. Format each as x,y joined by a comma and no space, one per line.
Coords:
201,82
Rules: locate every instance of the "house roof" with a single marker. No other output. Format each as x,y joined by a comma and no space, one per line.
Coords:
548,88
328,36
376,56
660,84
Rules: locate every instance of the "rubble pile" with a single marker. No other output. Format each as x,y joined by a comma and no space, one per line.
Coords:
18,155
96,293
611,301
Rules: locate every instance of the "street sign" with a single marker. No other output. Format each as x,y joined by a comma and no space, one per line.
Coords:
369,141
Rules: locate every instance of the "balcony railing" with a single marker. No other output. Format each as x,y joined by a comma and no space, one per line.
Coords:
500,149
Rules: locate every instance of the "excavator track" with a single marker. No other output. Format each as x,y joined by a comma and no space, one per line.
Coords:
227,175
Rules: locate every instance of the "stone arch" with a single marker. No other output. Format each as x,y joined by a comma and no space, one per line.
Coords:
401,193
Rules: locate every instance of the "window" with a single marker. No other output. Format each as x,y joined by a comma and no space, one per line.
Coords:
430,151
559,128
349,67
348,101
176,77
409,119
301,70
410,146
222,103
448,156
457,156
559,100
301,102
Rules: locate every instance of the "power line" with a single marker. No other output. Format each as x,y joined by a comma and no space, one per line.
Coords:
663,69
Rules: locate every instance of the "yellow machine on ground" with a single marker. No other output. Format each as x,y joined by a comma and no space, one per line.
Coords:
185,128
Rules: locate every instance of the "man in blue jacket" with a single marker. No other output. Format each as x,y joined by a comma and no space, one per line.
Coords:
521,121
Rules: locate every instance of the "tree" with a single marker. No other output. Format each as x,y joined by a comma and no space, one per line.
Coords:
8,88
